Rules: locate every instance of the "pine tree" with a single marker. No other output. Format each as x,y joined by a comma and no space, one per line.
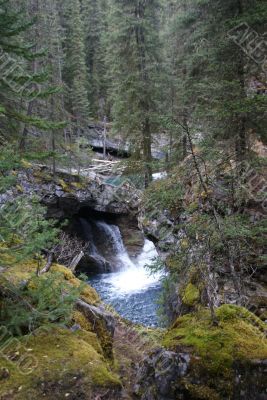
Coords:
76,74
94,14
132,59
214,74
22,85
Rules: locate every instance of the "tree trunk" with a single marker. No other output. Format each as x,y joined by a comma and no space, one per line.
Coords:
34,9
146,129
22,144
241,141
147,154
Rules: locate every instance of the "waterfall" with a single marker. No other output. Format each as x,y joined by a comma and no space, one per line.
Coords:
113,234
113,237
136,278
132,290
127,285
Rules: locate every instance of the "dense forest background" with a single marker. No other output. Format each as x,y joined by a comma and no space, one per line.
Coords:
146,67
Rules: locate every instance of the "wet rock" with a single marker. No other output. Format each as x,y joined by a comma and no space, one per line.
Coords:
133,237
94,264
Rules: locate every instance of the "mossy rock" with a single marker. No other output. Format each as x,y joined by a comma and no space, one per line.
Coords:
88,294
81,185
65,186
238,337
19,272
61,357
191,295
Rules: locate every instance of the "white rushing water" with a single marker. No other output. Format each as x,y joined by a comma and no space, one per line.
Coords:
132,290
114,241
159,175
135,277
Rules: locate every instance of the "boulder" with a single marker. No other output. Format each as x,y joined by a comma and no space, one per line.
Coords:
159,375
103,323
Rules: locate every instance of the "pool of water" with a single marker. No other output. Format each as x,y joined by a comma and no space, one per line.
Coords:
132,291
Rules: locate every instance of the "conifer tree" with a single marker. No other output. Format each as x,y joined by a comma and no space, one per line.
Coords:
94,14
214,73
76,74
133,61
21,85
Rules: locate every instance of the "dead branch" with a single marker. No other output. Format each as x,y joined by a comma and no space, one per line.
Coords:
48,264
70,250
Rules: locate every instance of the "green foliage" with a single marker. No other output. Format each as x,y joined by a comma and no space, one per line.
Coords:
94,18
9,161
191,295
211,76
164,194
24,231
21,86
12,23
75,70
46,300
133,60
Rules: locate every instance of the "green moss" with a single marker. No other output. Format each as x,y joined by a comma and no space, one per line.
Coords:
43,176
202,392
81,320
88,294
191,295
173,263
17,272
65,186
81,185
23,271
238,336
59,354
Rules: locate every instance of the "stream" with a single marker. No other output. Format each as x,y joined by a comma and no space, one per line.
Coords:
129,288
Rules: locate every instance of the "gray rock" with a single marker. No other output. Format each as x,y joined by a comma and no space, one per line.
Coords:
94,313
159,375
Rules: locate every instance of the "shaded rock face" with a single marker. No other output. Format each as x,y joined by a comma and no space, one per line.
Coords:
67,194
94,264
133,237
167,375
250,381
159,374
98,197
116,146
